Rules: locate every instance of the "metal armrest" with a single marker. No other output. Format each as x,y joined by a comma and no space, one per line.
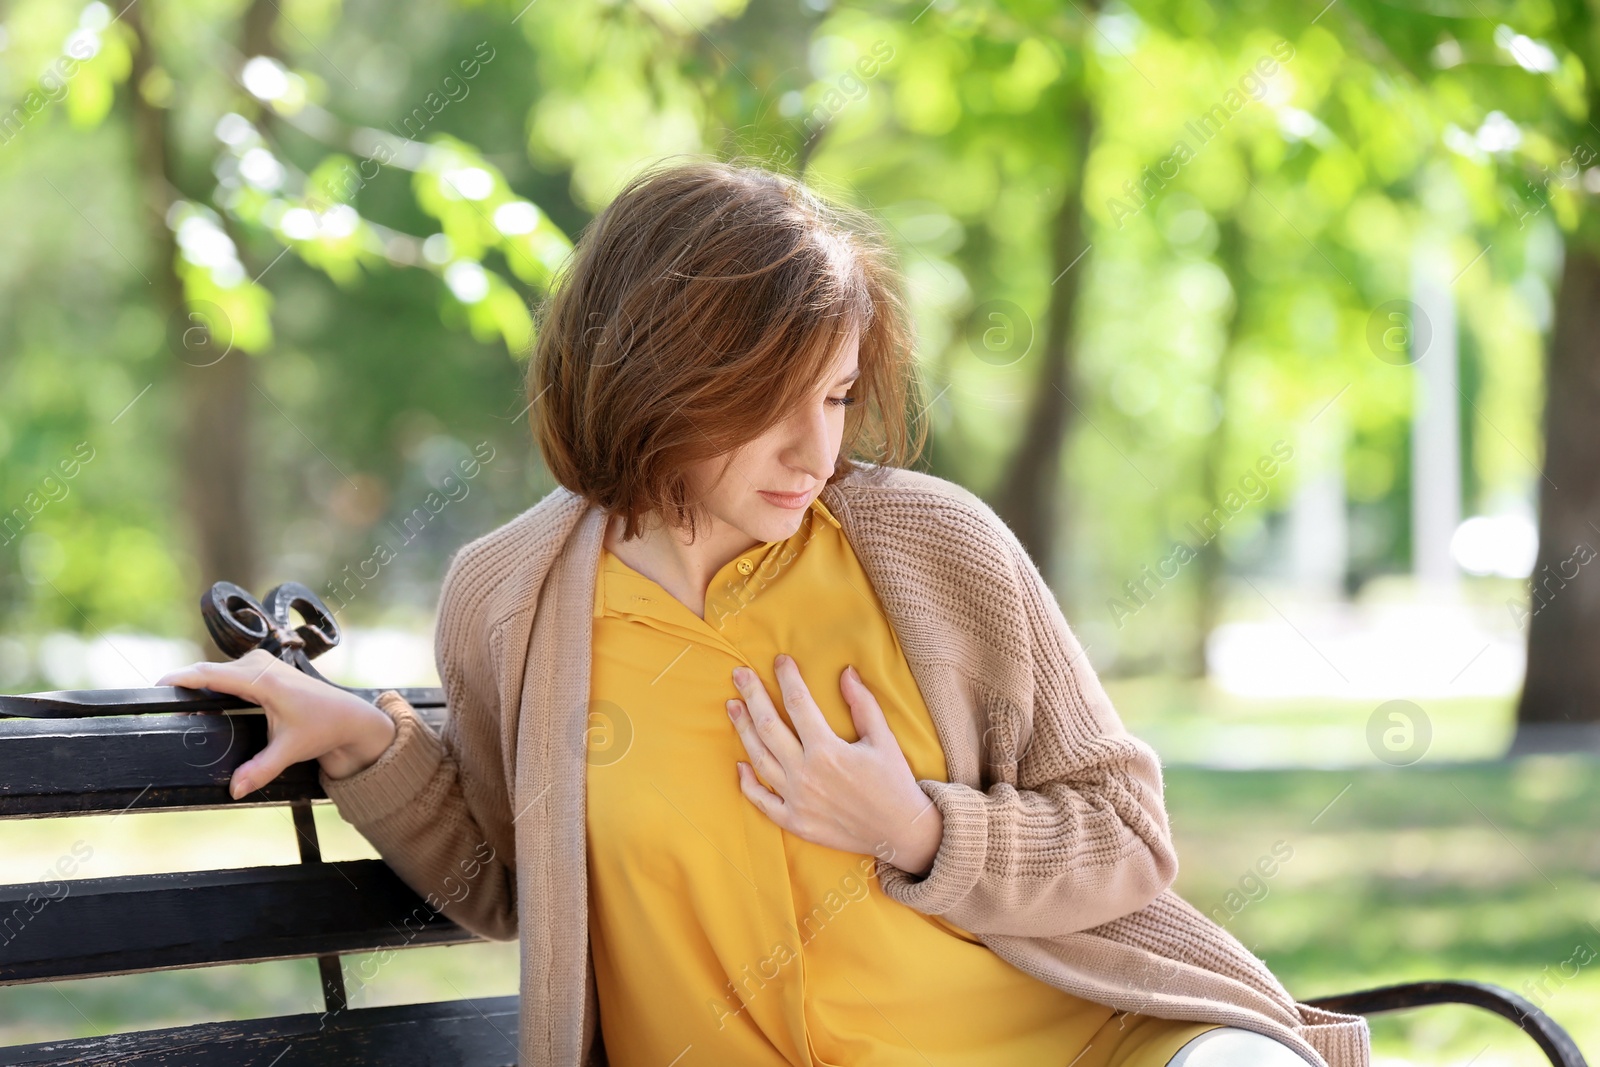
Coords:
1555,1042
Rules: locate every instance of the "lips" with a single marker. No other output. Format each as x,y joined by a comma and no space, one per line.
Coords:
787,500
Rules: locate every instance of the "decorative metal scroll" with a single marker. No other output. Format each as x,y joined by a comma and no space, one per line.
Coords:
238,623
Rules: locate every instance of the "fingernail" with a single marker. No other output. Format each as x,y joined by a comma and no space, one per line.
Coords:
732,707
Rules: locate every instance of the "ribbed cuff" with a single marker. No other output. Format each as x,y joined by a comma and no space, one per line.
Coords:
394,780
957,865
1343,1040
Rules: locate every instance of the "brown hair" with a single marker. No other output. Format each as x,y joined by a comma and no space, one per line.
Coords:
706,299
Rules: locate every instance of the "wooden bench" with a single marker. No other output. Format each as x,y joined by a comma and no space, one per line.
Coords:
106,752
110,751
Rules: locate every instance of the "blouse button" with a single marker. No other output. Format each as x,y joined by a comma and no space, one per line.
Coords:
745,566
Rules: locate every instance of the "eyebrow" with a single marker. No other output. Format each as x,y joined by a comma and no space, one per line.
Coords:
848,378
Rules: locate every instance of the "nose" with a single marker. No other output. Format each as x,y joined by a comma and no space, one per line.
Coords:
812,447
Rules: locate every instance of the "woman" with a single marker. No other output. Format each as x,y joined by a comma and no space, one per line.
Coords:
961,857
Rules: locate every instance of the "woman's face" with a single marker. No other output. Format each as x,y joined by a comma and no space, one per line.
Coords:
796,456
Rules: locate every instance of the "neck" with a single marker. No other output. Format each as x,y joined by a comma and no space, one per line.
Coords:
666,557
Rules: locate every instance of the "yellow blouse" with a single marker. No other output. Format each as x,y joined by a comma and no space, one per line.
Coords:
718,937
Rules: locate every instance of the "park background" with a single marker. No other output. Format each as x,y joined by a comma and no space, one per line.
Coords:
1268,326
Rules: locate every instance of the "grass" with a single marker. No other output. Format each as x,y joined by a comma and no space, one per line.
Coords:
1474,871
1470,870
1191,722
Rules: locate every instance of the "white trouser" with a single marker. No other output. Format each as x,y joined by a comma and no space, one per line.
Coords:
1230,1046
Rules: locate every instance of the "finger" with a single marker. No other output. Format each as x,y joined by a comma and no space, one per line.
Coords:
258,662
188,676
865,712
770,804
218,677
262,768
761,757
774,732
803,711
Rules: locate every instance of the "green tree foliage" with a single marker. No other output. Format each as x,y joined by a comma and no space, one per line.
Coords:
1159,233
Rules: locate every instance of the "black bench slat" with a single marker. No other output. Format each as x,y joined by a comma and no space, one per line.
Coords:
462,1033
108,751
100,926
145,762
160,700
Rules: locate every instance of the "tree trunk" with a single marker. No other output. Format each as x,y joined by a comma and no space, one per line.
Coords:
1562,684
214,439
1209,562
1028,492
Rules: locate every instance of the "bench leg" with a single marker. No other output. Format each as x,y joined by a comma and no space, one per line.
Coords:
334,998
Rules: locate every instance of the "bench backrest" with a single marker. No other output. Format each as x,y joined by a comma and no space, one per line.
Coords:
119,759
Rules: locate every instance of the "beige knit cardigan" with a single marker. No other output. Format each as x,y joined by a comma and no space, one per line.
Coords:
1056,850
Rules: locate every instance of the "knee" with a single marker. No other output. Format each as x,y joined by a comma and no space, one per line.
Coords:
1230,1046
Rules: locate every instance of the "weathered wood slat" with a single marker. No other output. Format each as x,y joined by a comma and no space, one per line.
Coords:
461,1033
98,926
143,762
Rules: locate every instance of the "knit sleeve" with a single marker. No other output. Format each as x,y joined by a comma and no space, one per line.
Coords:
1082,837
434,805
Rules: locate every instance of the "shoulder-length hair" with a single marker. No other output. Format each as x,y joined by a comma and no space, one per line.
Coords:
698,308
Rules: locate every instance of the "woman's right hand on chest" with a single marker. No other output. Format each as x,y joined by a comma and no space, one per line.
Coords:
306,718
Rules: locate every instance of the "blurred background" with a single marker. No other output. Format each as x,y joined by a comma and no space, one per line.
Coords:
1270,327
